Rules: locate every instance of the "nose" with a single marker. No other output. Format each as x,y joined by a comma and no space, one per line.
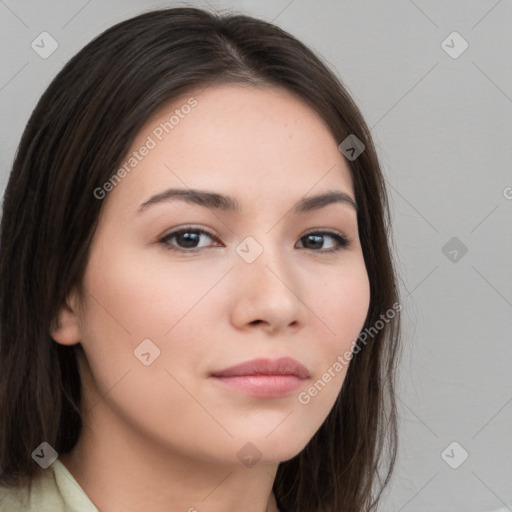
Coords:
268,295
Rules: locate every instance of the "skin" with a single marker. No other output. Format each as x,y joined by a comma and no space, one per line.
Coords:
164,437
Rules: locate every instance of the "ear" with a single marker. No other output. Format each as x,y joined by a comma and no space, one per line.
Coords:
66,328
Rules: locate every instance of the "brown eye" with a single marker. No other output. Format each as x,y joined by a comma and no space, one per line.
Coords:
314,241
186,239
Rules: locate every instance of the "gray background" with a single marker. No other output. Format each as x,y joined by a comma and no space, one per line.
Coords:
443,130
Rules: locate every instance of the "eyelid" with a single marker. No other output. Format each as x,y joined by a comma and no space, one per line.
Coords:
178,230
325,231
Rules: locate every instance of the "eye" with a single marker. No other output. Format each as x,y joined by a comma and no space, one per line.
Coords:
316,239
186,239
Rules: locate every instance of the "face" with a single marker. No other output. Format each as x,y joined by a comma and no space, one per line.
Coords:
180,289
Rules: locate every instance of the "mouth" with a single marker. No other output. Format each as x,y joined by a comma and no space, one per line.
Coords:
264,378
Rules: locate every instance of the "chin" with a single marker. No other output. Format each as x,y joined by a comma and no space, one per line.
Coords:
277,447
253,448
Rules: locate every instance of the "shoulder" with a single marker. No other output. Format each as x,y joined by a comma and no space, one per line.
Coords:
13,499
55,490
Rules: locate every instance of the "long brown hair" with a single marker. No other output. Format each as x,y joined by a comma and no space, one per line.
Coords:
75,139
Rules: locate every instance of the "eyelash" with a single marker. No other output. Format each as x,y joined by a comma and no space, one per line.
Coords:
342,241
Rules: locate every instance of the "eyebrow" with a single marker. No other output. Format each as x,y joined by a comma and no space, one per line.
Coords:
222,202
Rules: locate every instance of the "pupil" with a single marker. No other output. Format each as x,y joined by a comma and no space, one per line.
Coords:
189,239
318,240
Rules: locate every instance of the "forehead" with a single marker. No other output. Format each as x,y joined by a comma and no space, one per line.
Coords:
257,144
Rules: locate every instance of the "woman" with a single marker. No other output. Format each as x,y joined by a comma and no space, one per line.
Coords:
198,307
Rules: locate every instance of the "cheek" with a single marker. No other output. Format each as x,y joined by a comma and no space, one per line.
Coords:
342,304
132,299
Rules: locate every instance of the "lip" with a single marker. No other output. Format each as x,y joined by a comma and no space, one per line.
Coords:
264,378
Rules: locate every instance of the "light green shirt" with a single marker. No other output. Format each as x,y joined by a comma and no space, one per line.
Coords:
55,491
